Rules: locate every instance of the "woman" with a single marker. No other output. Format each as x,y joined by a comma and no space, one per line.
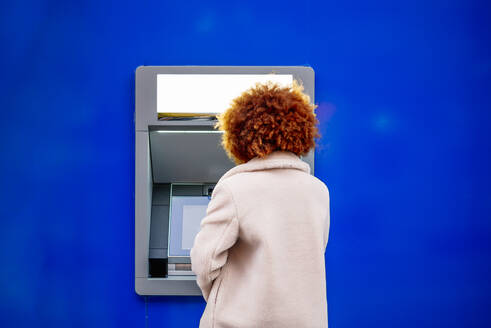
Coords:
259,256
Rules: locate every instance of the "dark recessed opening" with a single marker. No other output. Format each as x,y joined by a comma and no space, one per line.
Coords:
158,268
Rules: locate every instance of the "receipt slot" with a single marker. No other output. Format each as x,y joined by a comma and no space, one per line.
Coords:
179,159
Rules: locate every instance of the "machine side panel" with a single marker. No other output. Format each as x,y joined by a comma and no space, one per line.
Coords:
143,202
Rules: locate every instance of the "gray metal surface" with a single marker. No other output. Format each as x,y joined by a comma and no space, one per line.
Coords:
174,285
143,203
159,231
159,226
177,157
187,156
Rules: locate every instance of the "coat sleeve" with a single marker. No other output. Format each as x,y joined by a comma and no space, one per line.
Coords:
219,231
327,222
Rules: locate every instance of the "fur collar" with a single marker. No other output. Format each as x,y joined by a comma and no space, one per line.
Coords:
277,159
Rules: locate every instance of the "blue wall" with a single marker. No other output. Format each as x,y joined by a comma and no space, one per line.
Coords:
404,102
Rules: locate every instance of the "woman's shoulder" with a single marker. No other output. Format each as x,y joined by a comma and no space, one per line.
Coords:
321,184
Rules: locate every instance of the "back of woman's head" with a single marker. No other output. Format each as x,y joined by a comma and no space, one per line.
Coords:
268,117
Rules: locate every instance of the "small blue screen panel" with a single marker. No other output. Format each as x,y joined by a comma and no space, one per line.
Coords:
186,213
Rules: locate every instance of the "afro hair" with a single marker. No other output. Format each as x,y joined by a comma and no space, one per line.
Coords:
268,117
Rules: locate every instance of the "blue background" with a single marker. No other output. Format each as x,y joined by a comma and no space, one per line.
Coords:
404,103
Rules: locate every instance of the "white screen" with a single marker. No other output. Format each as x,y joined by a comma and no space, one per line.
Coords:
191,219
207,93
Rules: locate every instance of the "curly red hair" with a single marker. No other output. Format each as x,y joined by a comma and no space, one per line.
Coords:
268,117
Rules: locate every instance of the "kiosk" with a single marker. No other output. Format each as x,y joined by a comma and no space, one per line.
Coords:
179,159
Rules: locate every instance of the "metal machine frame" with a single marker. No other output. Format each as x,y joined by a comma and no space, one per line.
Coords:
148,193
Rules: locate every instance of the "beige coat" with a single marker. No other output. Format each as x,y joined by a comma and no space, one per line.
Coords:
259,256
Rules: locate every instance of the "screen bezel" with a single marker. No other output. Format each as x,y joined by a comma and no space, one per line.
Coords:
176,205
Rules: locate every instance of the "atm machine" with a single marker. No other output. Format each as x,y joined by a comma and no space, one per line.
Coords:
179,159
